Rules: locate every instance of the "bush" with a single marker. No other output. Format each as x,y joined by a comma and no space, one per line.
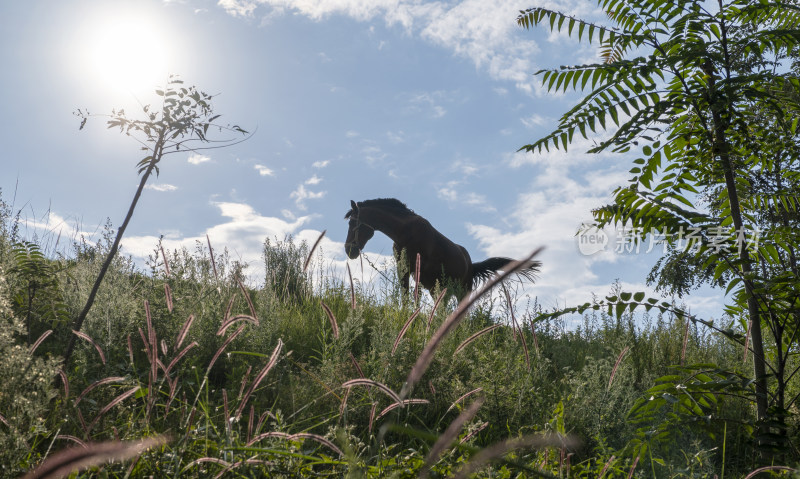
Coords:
26,393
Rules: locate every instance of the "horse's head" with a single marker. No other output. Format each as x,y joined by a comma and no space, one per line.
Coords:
358,233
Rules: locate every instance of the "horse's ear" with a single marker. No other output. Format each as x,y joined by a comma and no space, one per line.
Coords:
353,205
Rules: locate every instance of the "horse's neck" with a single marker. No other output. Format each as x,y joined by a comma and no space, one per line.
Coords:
387,223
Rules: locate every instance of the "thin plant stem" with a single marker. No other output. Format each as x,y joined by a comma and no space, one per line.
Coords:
157,154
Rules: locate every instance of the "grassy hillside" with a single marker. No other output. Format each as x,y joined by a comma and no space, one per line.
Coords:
233,380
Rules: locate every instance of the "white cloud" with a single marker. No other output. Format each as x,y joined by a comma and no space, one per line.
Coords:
351,134
483,31
300,196
264,171
565,187
321,164
396,136
451,194
465,167
242,233
429,102
475,199
448,193
541,220
54,231
373,153
534,121
161,187
575,155
196,159
238,8
314,180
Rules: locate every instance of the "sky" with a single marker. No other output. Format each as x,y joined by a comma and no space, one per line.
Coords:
424,101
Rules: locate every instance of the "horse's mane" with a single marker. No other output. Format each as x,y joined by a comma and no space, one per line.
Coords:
396,206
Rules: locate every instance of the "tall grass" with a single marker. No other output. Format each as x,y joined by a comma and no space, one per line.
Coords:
303,377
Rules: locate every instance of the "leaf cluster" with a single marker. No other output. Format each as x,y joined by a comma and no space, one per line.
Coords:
38,297
706,98
179,123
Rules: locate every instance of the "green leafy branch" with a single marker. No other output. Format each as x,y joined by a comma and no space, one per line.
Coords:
180,124
40,298
628,302
691,398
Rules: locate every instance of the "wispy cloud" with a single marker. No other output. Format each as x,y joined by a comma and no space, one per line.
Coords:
321,164
465,167
451,193
301,194
482,31
197,158
263,170
373,153
314,180
448,193
534,120
430,103
396,137
161,187
238,8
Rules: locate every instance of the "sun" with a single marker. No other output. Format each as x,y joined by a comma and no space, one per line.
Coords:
126,50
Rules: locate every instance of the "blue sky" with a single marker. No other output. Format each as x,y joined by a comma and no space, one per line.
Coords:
424,101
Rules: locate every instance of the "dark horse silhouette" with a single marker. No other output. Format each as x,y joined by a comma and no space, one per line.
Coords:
440,258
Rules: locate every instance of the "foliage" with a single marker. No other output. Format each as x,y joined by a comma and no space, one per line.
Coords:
26,393
39,299
284,266
709,95
181,122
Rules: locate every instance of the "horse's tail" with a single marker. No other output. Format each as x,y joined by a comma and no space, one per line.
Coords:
487,268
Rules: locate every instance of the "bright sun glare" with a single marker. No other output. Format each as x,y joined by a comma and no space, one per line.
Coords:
126,51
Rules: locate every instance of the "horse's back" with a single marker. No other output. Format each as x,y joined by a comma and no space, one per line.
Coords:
439,254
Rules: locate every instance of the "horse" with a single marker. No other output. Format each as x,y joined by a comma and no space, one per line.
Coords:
440,258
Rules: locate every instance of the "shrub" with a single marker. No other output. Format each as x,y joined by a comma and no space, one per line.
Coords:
27,389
